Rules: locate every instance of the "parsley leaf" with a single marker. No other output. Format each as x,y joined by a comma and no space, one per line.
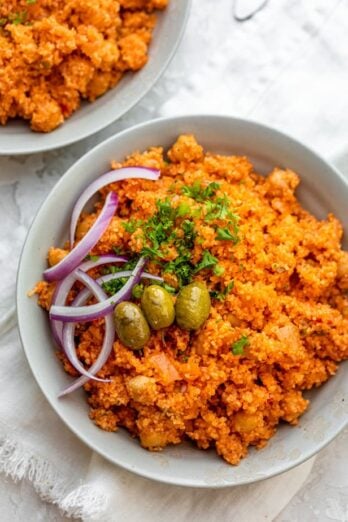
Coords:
113,269
215,294
207,261
238,346
181,267
218,270
137,291
113,286
93,258
183,209
226,234
169,288
188,228
200,193
132,225
18,18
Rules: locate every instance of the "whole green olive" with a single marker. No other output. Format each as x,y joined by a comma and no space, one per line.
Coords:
192,306
131,325
158,307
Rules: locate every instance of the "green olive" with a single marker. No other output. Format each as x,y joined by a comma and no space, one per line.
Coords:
158,307
192,306
131,325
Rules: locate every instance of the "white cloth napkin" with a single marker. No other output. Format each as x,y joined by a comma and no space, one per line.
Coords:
287,66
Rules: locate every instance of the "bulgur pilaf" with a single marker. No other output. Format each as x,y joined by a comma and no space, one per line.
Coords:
54,53
278,322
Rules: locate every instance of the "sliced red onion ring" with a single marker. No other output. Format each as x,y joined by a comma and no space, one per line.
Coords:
124,273
68,336
104,180
87,313
80,299
77,254
64,286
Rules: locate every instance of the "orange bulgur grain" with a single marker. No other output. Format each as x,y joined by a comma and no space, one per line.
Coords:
289,300
53,53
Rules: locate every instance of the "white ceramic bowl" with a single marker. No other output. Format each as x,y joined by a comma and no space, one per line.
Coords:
322,189
16,137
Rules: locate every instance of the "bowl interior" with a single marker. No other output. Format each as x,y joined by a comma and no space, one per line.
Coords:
17,138
322,190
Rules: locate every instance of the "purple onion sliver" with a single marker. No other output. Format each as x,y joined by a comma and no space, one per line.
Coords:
104,180
93,287
69,328
94,311
78,253
64,286
110,277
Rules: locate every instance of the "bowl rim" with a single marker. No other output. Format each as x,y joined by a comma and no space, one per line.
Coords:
109,118
340,426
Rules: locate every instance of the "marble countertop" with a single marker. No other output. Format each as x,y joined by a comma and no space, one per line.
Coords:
287,67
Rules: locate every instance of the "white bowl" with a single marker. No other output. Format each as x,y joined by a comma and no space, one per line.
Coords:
322,189
16,137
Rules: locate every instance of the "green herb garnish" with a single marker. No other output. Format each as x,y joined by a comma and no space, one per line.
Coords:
93,258
172,227
218,270
137,291
18,18
238,346
226,235
215,294
183,209
128,265
200,193
113,286
132,225
207,261
169,288
182,267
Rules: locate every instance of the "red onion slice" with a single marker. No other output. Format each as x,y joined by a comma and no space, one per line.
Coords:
87,313
77,254
80,299
68,336
64,286
104,180
124,273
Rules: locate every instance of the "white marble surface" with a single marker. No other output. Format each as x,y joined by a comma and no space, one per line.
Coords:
286,67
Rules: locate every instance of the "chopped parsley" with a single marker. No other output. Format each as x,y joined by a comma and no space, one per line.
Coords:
207,261
183,209
173,230
113,269
238,346
218,270
169,288
218,208
18,18
227,235
200,193
92,258
182,267
137,291
113,286
221,295
132,225
188,228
